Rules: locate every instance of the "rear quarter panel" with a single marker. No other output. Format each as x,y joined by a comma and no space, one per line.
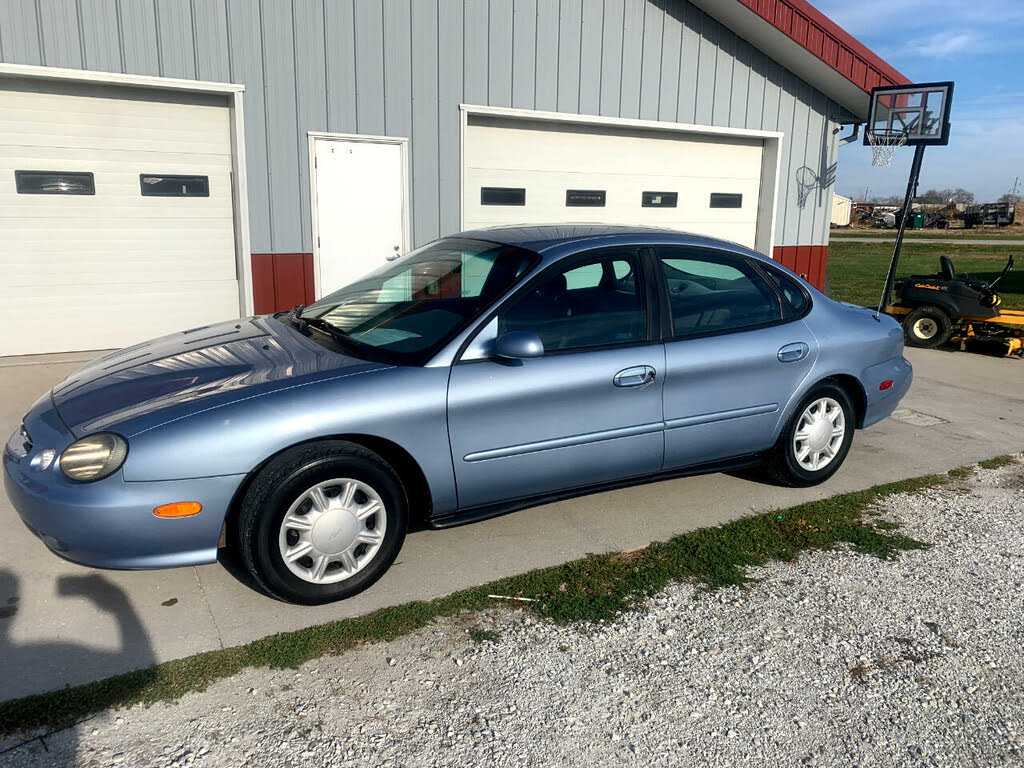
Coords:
851,342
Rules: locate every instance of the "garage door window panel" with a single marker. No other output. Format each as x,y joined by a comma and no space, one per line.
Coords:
502,196
595,304
712,293
54,183
173,185
726,200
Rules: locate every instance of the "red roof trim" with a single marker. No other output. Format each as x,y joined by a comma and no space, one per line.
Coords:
806,25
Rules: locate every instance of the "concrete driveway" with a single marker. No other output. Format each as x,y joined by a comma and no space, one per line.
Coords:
62,624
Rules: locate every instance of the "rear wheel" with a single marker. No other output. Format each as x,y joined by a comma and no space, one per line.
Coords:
815,440
322,522
927,327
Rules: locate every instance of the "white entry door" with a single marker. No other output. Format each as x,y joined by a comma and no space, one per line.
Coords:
360,207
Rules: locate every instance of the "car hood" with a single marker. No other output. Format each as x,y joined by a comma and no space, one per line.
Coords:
157,381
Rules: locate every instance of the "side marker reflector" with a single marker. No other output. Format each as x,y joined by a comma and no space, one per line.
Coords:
885,385
178,509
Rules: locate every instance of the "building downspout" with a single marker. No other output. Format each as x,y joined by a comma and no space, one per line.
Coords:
844,140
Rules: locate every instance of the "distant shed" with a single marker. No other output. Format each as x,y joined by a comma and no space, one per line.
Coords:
841,207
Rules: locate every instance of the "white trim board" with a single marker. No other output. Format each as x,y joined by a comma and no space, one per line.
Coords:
765,238
233,92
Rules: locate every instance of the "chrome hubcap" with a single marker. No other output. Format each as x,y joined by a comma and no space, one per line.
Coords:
819,434
925,328
332,531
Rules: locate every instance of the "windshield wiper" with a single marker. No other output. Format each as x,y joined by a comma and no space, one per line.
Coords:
336,333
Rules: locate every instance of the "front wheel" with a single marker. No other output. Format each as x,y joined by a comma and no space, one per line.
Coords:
927,327
815,440
322,522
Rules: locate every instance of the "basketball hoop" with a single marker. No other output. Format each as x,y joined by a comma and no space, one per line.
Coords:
807,181
884,145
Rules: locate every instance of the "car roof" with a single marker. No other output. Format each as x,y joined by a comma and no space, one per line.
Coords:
556,240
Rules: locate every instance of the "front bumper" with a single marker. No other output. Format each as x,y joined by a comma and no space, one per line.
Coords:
110,523
881,403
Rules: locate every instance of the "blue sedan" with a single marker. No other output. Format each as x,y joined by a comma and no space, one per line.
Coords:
482,373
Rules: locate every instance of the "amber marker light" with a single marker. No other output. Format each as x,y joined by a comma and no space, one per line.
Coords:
178,509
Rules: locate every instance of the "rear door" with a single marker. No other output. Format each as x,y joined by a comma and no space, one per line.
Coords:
736,353
588,411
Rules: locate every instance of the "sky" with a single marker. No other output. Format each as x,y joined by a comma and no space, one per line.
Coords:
979,44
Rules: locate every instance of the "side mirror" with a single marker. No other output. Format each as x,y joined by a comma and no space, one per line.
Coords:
518,345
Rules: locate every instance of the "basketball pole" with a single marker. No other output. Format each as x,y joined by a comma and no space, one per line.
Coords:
915,173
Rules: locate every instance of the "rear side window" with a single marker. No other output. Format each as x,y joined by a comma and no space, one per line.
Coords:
795,301
715,293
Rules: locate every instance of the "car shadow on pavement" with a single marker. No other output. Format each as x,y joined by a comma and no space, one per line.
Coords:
59,746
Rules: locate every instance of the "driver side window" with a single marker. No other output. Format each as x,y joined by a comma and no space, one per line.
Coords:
599,302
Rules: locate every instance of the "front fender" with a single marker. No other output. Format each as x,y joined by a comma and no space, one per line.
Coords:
405,405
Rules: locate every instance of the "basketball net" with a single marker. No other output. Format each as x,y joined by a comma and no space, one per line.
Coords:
884,145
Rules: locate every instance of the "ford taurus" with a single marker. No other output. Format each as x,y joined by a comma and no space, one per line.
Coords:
481,373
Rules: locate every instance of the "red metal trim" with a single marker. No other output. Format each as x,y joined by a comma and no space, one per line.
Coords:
263,283
806,25
808,261
281,280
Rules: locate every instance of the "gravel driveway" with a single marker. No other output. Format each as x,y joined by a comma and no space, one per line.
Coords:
834,660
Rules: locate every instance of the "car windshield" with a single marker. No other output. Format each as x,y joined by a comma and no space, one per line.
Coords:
407,309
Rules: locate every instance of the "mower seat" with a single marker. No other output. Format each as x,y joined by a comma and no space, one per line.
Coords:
946,265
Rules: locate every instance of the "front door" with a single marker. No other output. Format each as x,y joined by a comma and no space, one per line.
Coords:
588,411
737,354
360,207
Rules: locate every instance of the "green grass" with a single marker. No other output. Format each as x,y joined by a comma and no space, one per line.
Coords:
961,473
997,463
1008,233
596,588
478,635
856,271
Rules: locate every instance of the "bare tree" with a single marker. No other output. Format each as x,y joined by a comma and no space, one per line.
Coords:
957,195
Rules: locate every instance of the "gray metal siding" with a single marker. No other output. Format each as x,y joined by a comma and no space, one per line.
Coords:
401,68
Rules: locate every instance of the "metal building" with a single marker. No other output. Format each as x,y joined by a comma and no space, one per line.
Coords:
179,162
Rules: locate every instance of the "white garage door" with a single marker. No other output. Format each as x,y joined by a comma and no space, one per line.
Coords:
533,172
116,219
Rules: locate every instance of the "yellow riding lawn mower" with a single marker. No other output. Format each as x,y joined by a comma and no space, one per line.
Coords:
934,309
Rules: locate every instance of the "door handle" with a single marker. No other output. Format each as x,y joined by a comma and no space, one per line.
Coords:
791,353
637,376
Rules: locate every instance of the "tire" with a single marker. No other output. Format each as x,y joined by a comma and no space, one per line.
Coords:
784,462
927,327
347,517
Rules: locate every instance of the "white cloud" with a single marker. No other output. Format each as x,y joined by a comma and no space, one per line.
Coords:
892,19
943,44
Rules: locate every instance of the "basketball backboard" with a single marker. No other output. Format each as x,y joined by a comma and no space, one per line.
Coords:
919,110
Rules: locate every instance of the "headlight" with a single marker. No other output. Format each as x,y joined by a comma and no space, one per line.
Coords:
94,457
